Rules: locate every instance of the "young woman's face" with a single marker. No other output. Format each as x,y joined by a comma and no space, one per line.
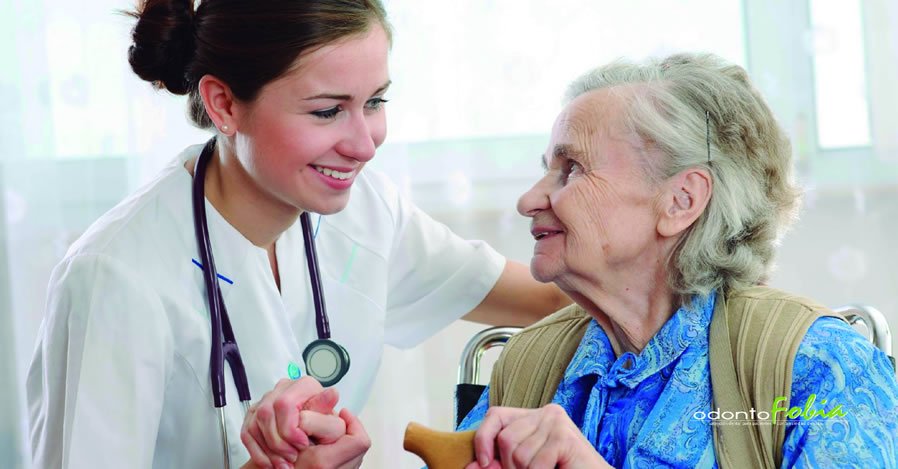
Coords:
308,134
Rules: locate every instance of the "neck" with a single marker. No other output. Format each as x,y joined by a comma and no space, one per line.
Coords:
632,308
257,215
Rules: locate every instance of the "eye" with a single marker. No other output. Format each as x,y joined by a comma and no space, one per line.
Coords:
327,113
375,104
571,168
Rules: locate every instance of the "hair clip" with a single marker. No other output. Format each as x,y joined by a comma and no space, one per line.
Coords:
708,133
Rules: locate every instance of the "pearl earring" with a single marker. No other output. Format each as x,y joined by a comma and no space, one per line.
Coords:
225,128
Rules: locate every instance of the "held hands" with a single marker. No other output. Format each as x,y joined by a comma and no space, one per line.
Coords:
532,438
294,425
345,453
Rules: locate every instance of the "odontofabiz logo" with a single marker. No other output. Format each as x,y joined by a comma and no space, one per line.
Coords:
779,411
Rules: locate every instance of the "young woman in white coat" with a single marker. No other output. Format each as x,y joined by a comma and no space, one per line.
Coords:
294,92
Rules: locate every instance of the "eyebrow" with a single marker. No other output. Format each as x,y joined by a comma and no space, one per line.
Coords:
347,97
563,151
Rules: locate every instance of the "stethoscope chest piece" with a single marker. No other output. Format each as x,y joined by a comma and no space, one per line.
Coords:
326,361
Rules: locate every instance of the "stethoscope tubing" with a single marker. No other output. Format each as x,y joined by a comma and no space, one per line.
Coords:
223,342
321,322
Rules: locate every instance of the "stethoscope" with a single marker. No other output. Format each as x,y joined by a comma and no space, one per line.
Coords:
325,360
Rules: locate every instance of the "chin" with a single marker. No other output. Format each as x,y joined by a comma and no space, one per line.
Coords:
329,210
541,272
330,206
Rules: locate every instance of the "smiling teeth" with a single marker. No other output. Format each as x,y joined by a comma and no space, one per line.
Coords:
334,174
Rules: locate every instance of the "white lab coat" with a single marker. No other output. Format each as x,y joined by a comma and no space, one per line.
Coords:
120,375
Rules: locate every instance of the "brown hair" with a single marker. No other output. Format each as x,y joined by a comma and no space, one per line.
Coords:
245,43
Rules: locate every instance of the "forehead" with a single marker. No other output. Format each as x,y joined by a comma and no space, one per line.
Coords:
593,129
597,111
353,63
589,120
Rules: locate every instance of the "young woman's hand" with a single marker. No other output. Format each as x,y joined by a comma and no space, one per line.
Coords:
286,421
532,438
346,452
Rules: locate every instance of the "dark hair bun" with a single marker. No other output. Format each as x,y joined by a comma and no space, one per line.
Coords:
164,43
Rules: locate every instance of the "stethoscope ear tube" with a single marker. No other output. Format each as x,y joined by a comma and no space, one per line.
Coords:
223,343
213,294
231,354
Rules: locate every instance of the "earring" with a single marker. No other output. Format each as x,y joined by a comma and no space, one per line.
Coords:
225,128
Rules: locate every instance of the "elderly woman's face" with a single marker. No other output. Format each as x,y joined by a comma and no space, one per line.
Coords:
593,212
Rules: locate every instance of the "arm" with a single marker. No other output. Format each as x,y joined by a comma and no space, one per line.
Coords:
435,277
518,299
838,365
97,382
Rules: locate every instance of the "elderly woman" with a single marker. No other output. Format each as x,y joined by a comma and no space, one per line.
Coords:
666,188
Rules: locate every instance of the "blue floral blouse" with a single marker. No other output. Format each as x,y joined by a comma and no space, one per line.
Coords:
655,412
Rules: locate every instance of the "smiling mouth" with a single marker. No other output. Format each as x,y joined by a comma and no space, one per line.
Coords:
334,173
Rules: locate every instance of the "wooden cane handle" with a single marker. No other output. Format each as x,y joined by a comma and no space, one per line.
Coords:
440,450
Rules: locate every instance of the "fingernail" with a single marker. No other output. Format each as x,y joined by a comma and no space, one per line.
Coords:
284,465
292,457
483,460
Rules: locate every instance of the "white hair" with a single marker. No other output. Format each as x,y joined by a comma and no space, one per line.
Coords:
732,244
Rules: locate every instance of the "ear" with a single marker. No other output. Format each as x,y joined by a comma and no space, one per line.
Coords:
683,200
221,106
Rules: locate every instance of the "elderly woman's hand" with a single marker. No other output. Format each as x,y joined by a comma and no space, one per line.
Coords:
532,438
346,452
280,425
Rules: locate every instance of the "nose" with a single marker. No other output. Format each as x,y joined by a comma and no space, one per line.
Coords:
535,200
358,143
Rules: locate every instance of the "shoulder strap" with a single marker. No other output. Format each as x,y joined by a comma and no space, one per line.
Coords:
534,360
736,445
755,334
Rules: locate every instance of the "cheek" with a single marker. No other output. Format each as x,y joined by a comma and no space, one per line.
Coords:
584,209
602,222
298,145
378,128
575,210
